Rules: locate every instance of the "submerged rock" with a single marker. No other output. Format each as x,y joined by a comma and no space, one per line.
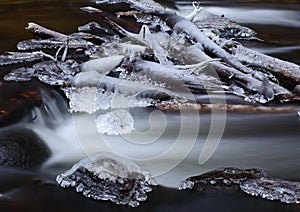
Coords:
22,148
255,182
104,176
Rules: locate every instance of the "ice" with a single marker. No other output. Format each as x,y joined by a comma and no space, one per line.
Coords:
105,176
186,184
89,100
102,65
275,189
117,122
49,72
93,92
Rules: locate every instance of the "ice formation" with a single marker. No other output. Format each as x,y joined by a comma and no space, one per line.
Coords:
89,100
117,122
105,176
255,182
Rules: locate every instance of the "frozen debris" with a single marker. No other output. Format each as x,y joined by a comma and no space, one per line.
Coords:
127,49
49,72
117,122
157,42
105,176
255,182
124,93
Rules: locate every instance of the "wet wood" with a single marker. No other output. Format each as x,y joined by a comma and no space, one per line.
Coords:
202,107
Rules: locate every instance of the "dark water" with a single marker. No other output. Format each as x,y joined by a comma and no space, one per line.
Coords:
268,141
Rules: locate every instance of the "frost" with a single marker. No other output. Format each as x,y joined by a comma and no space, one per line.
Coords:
117,122
104,176
255,182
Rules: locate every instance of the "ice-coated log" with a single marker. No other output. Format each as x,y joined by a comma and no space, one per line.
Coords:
287,73
105,176
174,77
102,65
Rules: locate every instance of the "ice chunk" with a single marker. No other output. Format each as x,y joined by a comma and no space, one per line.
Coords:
104,176
117,122
89,100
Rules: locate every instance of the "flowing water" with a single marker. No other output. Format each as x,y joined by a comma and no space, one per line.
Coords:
170,144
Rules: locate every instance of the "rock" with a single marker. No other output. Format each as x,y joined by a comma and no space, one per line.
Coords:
22,148
255,182
104,176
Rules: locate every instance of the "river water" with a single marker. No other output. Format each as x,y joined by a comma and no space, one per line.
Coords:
170,144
